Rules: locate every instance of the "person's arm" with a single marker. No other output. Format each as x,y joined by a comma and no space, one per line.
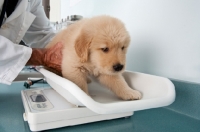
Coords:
50,57
38,36
13,58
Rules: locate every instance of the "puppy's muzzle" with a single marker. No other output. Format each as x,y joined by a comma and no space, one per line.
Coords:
118,67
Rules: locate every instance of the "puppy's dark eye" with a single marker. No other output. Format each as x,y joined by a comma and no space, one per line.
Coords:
105,49
123,48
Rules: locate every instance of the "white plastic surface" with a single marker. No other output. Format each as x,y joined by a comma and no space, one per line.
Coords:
156,91
62,114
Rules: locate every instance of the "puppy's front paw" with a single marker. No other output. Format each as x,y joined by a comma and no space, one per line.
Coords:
131,94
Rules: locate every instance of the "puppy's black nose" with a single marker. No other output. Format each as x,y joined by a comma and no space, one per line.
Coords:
118,67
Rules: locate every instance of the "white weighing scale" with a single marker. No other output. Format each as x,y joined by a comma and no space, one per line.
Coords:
65,104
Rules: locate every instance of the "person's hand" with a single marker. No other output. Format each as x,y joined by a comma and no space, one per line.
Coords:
53,58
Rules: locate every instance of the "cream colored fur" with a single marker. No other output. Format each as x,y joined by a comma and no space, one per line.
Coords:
83,53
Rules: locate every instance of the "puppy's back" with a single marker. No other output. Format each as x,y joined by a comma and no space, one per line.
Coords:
68,34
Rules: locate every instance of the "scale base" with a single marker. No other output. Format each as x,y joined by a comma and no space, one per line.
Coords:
73,122
56,111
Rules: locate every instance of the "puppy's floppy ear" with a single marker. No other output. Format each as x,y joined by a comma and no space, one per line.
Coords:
82,45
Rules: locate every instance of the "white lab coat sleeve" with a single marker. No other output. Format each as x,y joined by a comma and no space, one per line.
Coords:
13,58
40,32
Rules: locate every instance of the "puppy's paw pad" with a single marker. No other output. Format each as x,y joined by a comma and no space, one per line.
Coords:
131,95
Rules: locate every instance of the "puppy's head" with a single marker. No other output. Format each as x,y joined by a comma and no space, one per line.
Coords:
103,42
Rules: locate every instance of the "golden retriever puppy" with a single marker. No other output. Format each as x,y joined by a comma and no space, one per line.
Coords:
96,46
